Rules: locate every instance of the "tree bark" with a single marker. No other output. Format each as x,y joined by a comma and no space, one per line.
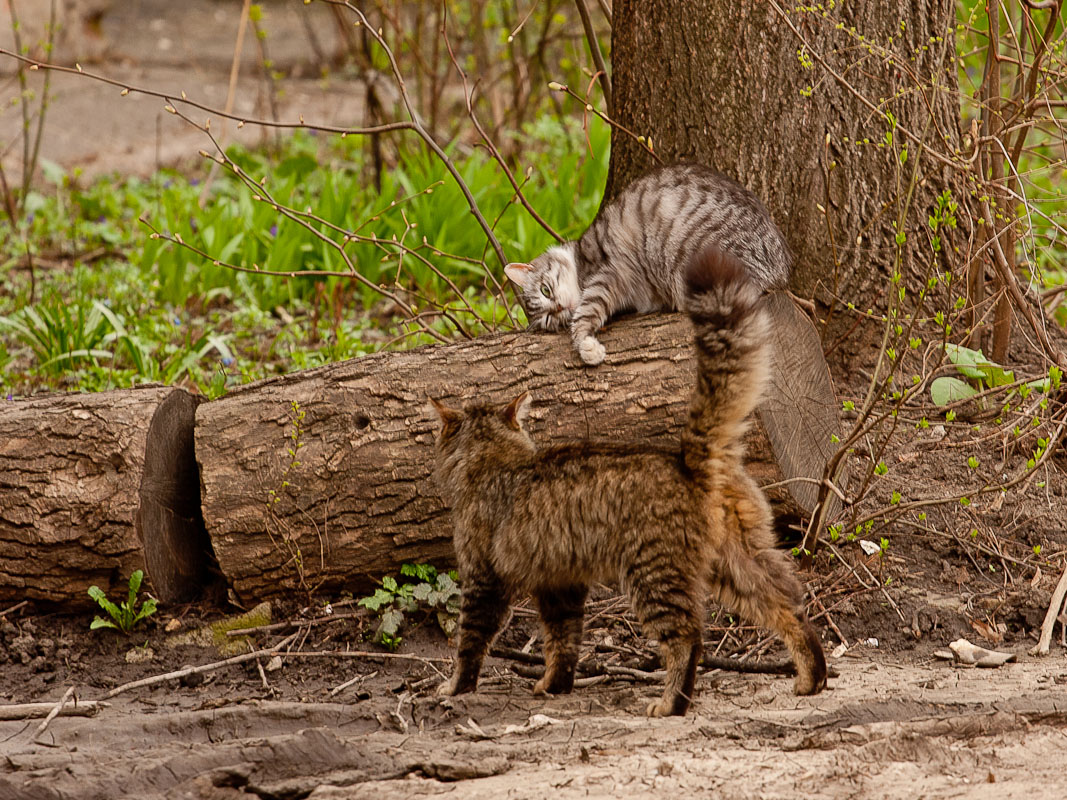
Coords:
71,470
321,481
721,81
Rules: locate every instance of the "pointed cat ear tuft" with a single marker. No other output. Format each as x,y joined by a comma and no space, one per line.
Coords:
514,414
518,273
447,416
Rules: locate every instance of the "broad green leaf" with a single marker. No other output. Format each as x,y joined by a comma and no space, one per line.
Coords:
391,622
98,595
377,600
974,364
445,583
948,390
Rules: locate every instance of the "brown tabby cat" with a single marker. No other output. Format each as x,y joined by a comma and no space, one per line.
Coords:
668,524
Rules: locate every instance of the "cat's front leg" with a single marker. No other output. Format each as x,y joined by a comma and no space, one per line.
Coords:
481,612
589,318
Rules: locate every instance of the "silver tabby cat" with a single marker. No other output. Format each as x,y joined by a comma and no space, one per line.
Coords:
633,256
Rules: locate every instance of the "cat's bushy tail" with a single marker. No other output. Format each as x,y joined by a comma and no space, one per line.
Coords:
733,357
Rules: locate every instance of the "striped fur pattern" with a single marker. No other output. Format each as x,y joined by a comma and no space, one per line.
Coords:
633,256
668,525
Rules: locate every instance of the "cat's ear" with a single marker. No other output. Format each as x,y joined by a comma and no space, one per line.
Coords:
514,414
518,273
449,417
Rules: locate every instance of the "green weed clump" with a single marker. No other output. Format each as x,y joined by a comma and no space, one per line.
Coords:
394,601
125,616
92,301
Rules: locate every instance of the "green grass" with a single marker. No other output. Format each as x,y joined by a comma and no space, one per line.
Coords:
151,310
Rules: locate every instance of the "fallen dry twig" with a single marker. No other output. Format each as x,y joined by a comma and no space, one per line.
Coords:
1041,648
708,662
293,623
80,708
13,608
54,712
181,673
365,654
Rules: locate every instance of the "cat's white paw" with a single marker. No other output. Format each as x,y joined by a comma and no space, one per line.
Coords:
591,351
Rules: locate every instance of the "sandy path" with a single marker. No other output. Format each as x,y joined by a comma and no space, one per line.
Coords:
175,47
884,730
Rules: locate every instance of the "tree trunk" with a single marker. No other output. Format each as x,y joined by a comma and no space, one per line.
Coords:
71,481
723,82
321,481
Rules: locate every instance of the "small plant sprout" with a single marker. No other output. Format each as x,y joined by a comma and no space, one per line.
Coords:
124,617
1037,550
436,591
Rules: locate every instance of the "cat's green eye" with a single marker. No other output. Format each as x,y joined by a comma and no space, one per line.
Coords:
546,291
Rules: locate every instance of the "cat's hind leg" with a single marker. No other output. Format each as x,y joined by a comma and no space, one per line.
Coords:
669,605
562,611
681,655
482,610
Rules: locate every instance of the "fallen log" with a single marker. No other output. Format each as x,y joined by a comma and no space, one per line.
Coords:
320,481
72,479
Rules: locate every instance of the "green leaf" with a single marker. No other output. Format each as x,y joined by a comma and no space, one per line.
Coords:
377,600
98,595
135,586
446,583
948,390
298,165
99,622
973,364
424,572
148,608
391,622
53,173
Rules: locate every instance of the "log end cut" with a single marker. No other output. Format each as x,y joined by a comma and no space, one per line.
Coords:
170,524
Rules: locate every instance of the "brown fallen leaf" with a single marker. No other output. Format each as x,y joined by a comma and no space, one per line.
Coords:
987,631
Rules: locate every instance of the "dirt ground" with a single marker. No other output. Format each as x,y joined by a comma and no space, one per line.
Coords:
894,723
